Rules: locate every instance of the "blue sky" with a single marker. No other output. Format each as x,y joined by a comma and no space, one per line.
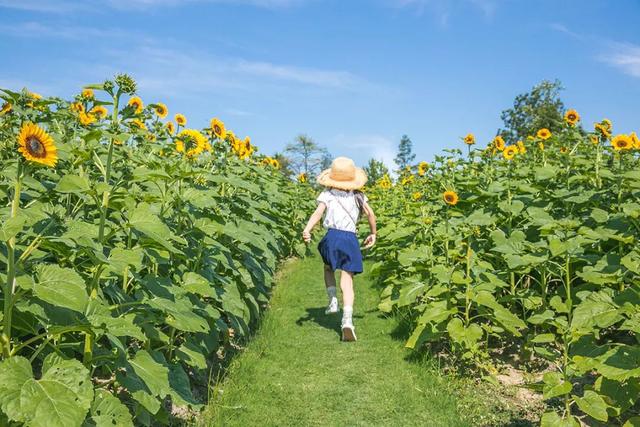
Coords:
353,74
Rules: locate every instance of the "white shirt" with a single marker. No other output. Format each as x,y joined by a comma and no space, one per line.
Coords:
342,211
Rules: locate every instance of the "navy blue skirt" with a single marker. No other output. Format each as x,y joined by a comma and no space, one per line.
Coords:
341,251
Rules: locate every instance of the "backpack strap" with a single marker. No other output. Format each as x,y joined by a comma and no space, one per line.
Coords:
355,221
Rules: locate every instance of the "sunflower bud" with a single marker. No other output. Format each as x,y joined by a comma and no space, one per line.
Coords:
108,86
126,84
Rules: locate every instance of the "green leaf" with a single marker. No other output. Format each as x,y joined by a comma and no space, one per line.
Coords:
154,375
551,419
62,287
108,411
468,337
73,184
14,373
146,222
632,422
61,398
593,405
11,227
555,385
197,284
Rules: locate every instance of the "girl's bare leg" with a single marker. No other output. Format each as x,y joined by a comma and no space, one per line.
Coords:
346,285
329,277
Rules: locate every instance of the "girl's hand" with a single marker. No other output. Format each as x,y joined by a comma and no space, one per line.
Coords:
370,241
306,236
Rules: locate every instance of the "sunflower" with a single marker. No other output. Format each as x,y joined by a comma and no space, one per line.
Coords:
571,117
161,110
384,182
407,179
171,128
564,150
197,141
86,118
470,139
416,196
76,107
275,163
302,178
99,111
622,142
88,93
217,127
531,138
498,142
635,142
180,119
138,123
36,145
6,108
510,152
450,197
35,96
179,146
544,134
594,139
422,168
136,103
607,124
521,148
603,130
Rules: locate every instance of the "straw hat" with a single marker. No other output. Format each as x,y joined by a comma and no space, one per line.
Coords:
343,175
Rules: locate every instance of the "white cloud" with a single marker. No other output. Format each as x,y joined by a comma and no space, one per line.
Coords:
625,57
44,6
561,28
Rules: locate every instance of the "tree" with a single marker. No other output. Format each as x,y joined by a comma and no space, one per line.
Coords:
285,166
375,170
405,156
534,110
306,156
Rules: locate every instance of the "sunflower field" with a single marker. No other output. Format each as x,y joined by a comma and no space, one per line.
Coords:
525,255
136,253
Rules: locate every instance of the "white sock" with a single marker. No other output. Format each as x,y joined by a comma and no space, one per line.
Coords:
331,292
347,312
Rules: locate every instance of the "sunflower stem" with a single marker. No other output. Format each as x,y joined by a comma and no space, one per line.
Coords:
9,288
107,174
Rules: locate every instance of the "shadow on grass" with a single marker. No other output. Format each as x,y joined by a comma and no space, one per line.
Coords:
328,321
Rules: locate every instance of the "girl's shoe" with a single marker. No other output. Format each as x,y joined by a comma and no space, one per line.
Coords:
332,307
348,331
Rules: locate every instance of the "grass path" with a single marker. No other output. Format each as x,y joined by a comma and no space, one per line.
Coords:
296,371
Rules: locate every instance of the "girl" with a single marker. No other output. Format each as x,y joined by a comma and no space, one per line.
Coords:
339,248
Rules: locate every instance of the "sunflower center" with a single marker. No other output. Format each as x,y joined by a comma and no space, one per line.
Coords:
36,147
217,129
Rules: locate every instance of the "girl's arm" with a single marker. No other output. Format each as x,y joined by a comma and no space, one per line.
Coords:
315,217
371,217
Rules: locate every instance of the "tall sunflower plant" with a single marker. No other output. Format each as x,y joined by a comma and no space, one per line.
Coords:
130,271
532,263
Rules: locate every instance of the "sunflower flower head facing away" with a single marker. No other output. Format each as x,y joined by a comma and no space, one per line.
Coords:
171,128
470,139
622,142
161,110
302,177
423,167
498,143
136,103
521,147
139,124
571,117
450,197
544,134
192,141
218,129
86,118
180,119
6,108
603,129
510,152
594,139
635,142
76,107
36,145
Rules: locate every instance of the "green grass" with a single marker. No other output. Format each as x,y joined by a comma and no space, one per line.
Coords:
297,372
